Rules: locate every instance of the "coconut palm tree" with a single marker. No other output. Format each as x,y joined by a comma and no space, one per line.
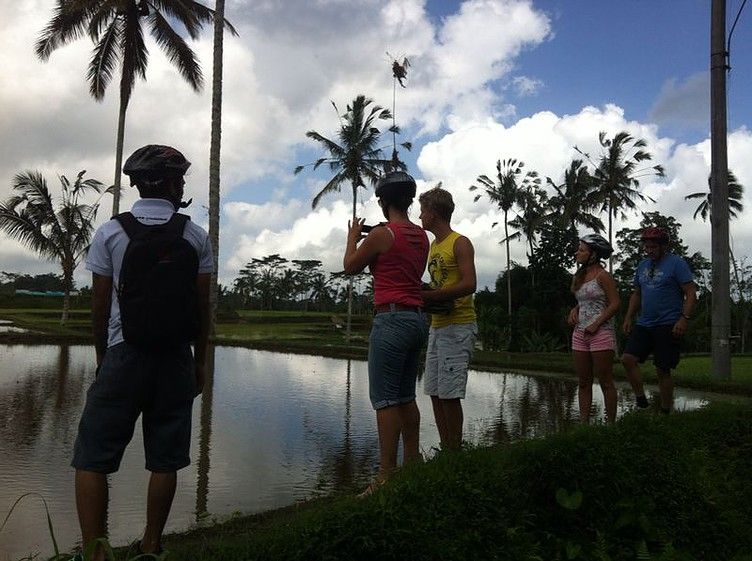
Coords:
736,206
533,203
617,175
575,199
59,233
356,158
116,28
735,198
506,191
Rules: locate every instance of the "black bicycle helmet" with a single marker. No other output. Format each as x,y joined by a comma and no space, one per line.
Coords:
155,161
598,244
396,184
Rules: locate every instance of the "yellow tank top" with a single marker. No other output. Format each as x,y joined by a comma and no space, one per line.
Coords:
442,267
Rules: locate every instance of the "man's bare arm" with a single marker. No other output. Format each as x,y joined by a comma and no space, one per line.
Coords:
101,300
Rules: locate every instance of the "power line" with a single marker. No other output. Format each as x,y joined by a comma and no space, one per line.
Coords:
733,26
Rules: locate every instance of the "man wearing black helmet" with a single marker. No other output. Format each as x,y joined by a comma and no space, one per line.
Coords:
151,270
665,293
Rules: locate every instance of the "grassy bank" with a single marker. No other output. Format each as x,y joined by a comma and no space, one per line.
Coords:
323,334
647,488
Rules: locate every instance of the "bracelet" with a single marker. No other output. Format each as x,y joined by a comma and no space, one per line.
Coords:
685,316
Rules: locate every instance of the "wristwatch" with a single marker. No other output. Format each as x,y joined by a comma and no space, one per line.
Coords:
685,316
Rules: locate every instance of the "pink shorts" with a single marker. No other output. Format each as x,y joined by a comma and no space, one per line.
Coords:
601,340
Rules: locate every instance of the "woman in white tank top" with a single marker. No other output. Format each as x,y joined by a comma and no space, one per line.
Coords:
594,339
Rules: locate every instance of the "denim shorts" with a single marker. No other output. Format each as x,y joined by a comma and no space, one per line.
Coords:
131,382
396,341
447,358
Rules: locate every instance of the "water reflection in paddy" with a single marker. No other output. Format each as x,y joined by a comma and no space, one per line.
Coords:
271,429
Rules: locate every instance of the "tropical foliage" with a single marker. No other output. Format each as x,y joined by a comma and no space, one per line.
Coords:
513,186
276,283
56,232
356,157
735,199
116,27
622,164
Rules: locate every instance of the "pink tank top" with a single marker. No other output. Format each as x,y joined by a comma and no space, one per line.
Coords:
397,273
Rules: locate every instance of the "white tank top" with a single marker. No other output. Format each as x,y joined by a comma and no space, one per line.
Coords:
592,301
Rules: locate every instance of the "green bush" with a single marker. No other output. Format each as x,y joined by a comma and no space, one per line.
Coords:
649,487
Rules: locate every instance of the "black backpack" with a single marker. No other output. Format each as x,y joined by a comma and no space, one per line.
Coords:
157,286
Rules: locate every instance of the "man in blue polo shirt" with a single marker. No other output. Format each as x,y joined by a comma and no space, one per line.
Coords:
141,371
665,292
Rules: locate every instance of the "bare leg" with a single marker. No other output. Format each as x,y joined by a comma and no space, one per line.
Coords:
453,417
666,387
410,417
389,424
603,366
583,365
633,375
91,502
161,492
438,414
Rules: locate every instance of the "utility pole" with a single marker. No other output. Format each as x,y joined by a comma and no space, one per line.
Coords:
719,216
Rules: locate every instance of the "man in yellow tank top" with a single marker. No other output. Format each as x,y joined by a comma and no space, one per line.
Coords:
451,339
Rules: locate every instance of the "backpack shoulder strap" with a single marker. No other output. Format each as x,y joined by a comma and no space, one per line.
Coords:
176,223
129,223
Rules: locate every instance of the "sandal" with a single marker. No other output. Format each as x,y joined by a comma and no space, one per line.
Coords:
140,552
371,489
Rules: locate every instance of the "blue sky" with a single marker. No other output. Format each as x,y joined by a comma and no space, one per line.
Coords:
490,79
626,53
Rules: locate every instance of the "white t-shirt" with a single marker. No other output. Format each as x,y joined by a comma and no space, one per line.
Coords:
107,249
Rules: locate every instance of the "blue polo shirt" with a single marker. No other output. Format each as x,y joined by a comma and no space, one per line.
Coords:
662,298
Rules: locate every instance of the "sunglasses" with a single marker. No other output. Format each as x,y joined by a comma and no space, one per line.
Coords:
651,270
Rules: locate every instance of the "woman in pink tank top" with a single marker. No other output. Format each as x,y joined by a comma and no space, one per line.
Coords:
396,253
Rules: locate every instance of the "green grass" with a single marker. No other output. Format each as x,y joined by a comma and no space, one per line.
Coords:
649,487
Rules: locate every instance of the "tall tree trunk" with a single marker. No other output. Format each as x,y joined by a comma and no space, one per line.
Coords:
124,99
532,273
67,287
204,439
214,157
509,269
610,236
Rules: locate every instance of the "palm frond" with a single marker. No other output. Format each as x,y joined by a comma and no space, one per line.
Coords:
69,22
100,20
334,185
22,228
133,51
104,61
177,50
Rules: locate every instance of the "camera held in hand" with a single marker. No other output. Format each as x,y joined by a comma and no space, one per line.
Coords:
439,307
